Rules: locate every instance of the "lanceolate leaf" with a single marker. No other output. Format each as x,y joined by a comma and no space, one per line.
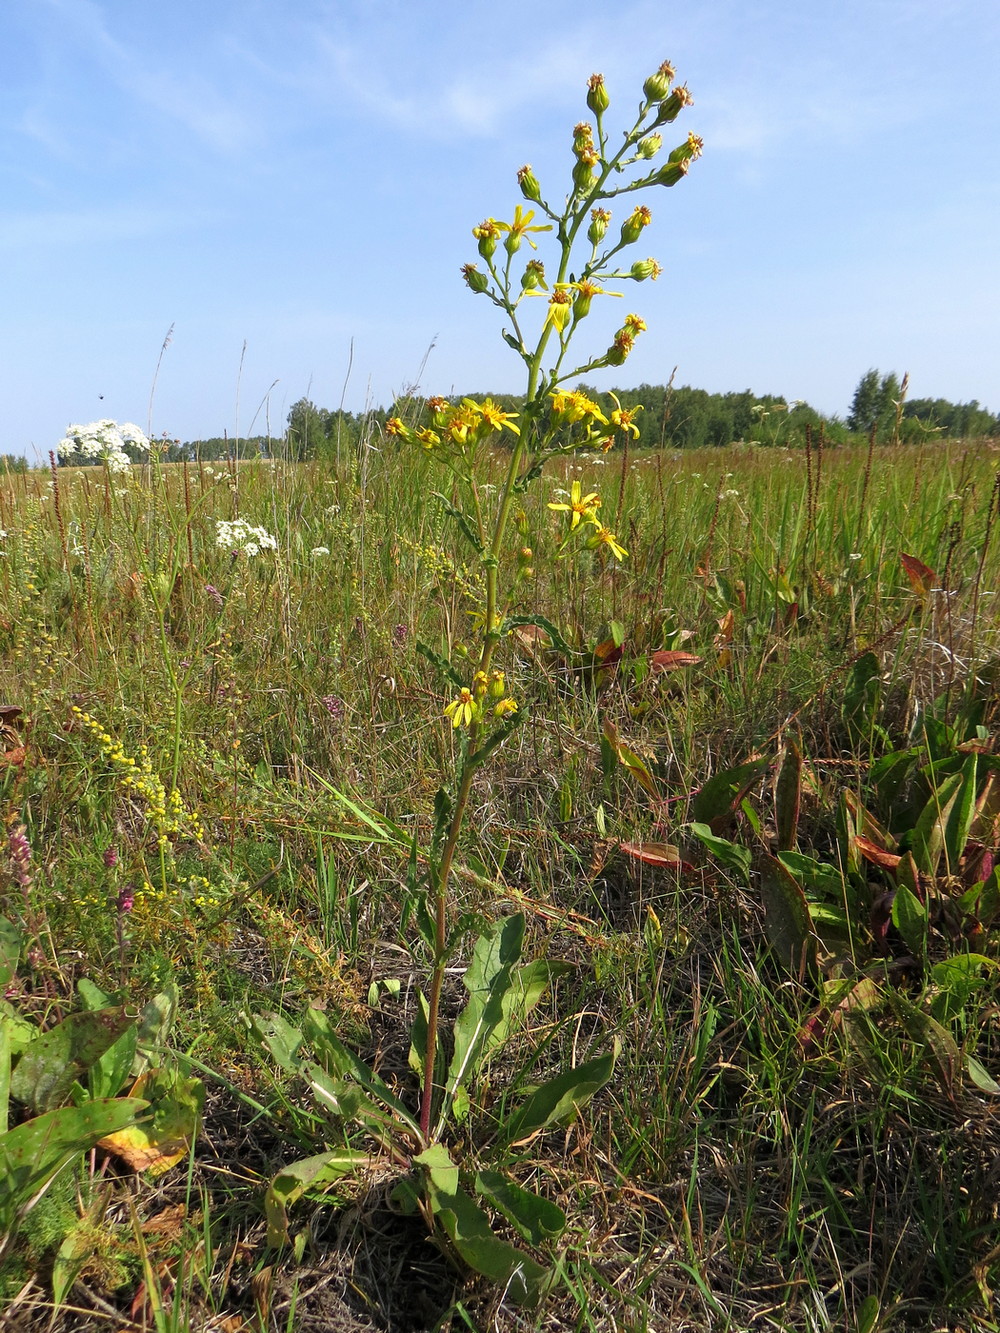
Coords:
721,795
928,839
788,796
729,854
535,1218
787,920
558,1099
655,854
922,577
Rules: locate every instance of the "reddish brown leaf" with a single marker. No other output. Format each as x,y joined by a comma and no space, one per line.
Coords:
655,854
13,758
668,659
921,577
608,653
878,856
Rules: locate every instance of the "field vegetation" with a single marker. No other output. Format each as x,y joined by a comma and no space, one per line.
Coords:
489,875
727,761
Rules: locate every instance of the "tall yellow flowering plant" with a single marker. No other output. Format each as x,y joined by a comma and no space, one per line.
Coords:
555,419
589,253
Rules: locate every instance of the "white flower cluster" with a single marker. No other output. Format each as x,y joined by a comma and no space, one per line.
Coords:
238,535
103,440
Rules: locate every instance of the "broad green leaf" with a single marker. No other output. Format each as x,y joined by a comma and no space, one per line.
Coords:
961,817
283,1041
155,1021
112,1070
33,1153
92,995
343,1098
958,979
909,916
814,876
442,1171
787,920
555,635
335,1057
487,979
292,1182
468,1228
62,1056
166,1133
559,1099
729,854
927,841
538,1220
721,795
937,1041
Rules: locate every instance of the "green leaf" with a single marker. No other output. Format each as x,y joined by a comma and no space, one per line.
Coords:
981,1076
280,1039
292,1182
468,1228
32,1154
787,919
937,1041
729,854
467,530
443,665
962,816
559,1099
537,1219
909,916
110,1072
722,793
927,840
63,1055
814,876
487,979
788,796
11,942
336,1058
558,642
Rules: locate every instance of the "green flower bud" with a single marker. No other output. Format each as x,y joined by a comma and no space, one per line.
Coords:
657,86
645,268
533,276
669,110
632,226
650,146
671,173
479,282
583,137
597,95
583,176
529,185
487,234
599,219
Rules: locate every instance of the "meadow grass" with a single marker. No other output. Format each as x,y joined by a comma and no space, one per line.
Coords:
258,742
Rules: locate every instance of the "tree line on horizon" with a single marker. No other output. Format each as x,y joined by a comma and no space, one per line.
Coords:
672,418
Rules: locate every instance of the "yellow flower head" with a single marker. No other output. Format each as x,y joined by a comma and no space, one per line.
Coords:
519,228
495,418
396,427
623,418
605,537
572,406
505,708
580,505
634,324
559,309
464,710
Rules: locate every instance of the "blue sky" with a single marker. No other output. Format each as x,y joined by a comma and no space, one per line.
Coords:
293,175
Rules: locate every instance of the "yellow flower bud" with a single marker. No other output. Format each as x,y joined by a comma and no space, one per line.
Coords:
599,219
